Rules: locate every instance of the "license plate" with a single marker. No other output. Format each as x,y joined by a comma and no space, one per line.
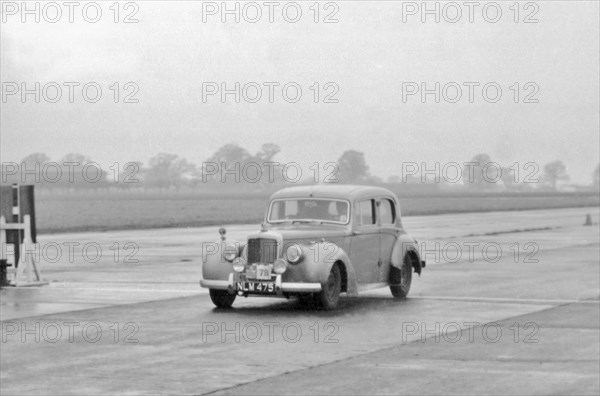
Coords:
263,272
259,287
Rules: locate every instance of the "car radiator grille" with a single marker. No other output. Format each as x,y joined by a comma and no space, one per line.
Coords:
261,250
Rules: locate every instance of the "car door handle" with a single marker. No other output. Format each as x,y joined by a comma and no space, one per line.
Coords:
356,233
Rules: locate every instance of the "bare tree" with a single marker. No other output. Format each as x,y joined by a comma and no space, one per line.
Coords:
31,168
268,151
75,158
352,167
230,154
554,172
168,170
226,162
480,173
79,171
36,158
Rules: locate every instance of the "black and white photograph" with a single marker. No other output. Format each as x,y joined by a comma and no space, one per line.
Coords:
310,197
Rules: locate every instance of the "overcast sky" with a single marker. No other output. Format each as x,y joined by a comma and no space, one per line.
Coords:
368,54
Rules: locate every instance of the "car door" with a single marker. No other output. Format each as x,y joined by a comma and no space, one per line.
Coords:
364,246
389,231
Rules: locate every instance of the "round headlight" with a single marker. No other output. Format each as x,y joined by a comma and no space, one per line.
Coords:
239,264
293,254
231,252
280,266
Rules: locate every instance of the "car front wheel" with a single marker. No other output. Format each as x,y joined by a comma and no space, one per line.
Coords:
328,297
400,279
222,298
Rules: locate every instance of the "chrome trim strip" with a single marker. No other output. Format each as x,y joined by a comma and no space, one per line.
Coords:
214,284
218,284
301,287
371,286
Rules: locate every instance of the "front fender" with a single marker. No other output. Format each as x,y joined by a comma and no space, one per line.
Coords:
406,245
316,265
214,265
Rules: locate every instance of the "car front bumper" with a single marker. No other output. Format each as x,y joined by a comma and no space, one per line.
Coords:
280,287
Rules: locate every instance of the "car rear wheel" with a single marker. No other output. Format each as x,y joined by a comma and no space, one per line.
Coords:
400,279
328,297
222,298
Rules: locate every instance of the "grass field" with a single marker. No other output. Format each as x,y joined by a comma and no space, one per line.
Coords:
103,211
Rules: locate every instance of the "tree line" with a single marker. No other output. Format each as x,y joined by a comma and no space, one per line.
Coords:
234,168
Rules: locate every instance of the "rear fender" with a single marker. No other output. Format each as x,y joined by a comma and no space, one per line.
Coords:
404,246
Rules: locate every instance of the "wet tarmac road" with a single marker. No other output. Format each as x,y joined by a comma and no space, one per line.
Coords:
513,326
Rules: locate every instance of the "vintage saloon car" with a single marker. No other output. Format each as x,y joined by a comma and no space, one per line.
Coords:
315,243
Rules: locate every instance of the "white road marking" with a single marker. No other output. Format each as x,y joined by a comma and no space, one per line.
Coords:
508,300
201,291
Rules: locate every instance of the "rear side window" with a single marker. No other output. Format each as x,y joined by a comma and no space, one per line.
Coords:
387,211
366,212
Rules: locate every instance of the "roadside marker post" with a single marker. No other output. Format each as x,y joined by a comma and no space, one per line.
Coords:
20,235
27,273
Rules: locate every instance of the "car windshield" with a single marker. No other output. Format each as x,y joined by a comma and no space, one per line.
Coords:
309,210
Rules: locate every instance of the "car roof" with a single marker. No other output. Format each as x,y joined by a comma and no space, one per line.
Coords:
343,191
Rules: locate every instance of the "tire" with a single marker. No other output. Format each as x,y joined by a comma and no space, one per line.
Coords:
400,279
329,297
221,298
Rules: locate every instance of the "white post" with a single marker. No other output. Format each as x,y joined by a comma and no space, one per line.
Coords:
27,259
2,238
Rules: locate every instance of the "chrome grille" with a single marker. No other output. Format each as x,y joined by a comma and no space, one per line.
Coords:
261,250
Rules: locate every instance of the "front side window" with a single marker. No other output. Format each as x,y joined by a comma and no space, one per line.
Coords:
309,210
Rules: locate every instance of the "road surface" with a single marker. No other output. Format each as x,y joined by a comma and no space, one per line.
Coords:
508,304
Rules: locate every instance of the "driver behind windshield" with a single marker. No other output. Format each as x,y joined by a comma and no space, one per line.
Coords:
342,211
313,210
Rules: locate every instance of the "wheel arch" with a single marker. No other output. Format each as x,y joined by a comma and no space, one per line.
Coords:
326,260
406,247
343,273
